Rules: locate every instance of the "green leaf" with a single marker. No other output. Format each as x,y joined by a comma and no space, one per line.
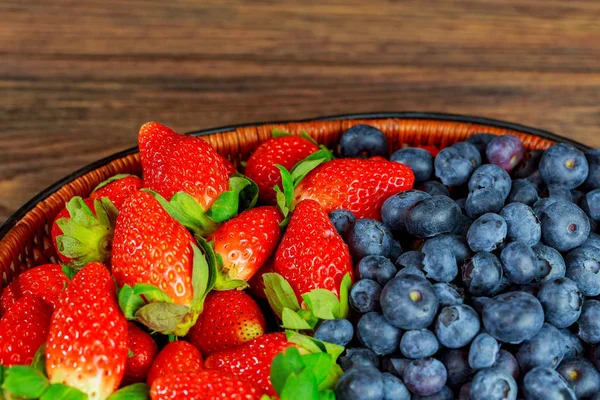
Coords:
309,317
302,386
227,205
110,180
2,371
21,380
287,185
130,353
249,194
162,317
279,294
151,293
327,395
137,391
345,287
129,302
283,365
281,203
302,169
68,271
320,364
201,279
322,303
332,378
306,136
58,391
291,320
313,345
280,133
39,359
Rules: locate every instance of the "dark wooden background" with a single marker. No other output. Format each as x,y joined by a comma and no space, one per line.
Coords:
77,78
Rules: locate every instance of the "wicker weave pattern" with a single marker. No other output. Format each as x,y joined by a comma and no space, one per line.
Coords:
28,243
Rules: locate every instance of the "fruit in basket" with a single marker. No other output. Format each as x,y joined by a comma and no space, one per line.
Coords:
175,357
142,351
117,188
363,141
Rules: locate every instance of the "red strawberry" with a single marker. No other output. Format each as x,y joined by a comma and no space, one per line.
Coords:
117,188
229,319
177,356
228,165
82,232
431,149
312,254
204,385
252,360
285,151
174,163
87,343
246,242
142,351
46,282
256,284
356,185
23,330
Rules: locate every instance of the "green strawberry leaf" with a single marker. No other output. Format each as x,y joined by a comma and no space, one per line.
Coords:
301,386
130,353
227,205
309,317
202,282
129,302
26,381
306,136
291,320
322,303
313,345
300,170
137,391
327,395
280,133
287,185
2,371
106,212
282,206
320,364
68,271
59,391
151,293
39,359
345,287
284,364
279,294
162,317
110,180
249,194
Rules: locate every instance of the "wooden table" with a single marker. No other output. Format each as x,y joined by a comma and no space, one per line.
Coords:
77,78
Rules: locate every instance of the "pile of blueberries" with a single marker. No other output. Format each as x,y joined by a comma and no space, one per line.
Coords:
483,284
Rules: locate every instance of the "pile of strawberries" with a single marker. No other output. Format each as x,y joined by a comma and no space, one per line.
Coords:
161,287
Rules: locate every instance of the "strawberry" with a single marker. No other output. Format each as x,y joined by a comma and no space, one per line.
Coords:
46,282
283,150
229,319
117,188
174,163
204,385
356,185
245,242
142,351
312,254
23,329
431,149
177,356
252,360
256,285
228,165
82,232
87,343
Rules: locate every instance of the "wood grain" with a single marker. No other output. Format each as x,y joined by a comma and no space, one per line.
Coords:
77,78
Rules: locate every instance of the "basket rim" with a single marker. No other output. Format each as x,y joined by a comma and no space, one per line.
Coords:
44,194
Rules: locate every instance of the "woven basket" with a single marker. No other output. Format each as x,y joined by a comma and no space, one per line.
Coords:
25,236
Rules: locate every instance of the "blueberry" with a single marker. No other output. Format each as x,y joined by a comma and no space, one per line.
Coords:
456,243
395,365
540,206
593,179
452,167
449,294
481,140
563,163
363,141
409,302
491,176
393,211
359,357
591,205
487,232
592,240
337,331
430,217
470,152
508,363
370,237
493,384
482,274
456,362
464,223
482,201
425,376
376,268
393,388
419,343
581,375
377,334
364,296
419,160
583,267
572,343
519,262
561,300
456,326
439,264
543,383
411,271
546,349
360,383
342,220
435,188
523,224
550,263
506,151
478,303
589,322
411,259
523,191
483,351
558,191
444,394
513,317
